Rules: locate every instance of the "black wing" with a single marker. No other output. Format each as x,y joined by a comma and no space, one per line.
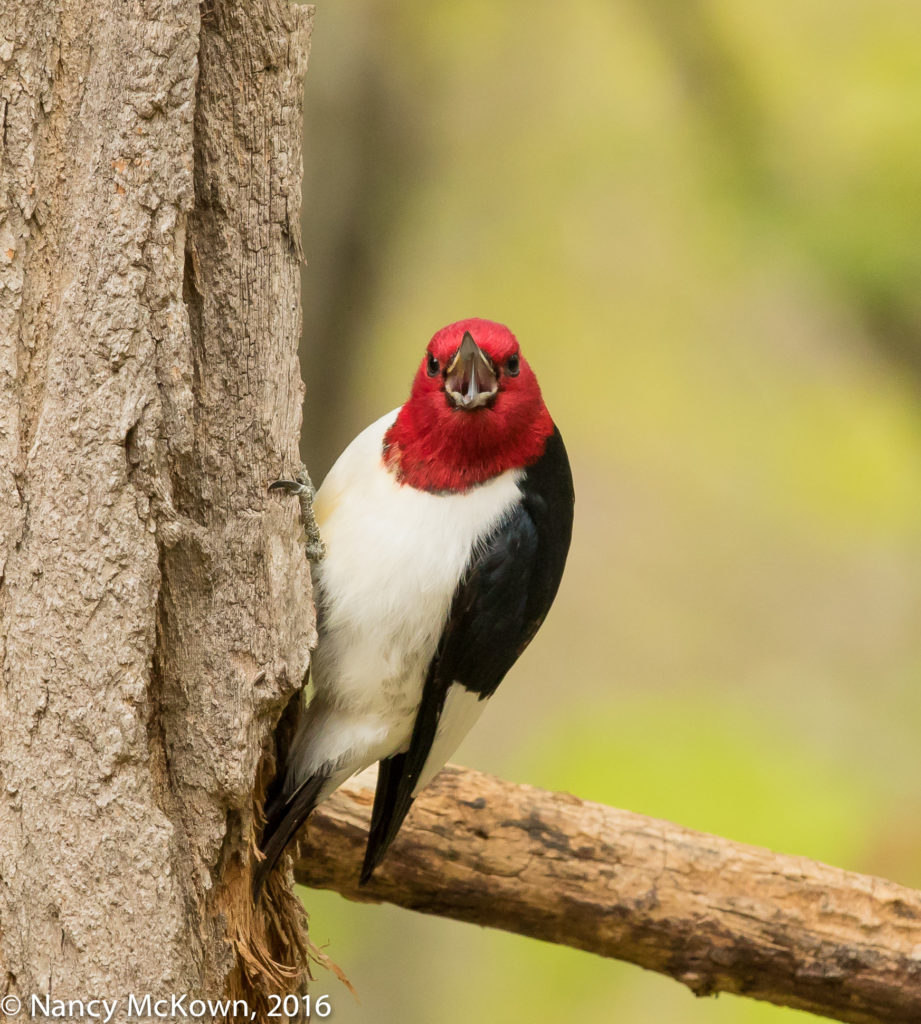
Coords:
497,608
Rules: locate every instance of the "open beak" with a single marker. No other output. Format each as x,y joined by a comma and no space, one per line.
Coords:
471,381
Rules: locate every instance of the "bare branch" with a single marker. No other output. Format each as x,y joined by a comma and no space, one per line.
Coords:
713,914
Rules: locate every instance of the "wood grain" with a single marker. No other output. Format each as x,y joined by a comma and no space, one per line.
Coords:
155,603
716,915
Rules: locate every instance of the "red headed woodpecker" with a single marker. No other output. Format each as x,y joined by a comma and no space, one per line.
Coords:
446,525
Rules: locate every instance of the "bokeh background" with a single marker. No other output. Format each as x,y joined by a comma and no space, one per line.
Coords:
702,220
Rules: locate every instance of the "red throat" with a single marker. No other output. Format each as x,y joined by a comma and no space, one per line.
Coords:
434,446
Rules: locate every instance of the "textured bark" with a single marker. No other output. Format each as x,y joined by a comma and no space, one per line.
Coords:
715,915
155,609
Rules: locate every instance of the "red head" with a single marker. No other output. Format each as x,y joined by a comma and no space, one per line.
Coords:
475,410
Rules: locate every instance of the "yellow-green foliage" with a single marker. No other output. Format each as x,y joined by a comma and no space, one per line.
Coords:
703,222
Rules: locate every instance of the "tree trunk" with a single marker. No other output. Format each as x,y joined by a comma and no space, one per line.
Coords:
155,605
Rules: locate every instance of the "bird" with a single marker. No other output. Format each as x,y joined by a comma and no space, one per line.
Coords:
446,526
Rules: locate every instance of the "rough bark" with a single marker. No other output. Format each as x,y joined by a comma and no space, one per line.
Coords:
155,609
713,914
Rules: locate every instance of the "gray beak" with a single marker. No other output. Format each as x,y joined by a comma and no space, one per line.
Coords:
470,381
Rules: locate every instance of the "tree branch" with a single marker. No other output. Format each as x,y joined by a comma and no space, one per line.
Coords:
713,914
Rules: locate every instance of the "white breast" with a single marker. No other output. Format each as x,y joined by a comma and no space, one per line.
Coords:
394,558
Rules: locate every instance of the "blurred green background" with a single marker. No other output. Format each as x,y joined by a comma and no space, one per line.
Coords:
702,220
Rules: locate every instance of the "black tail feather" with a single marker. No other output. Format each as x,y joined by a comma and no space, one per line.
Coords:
283,818
392,801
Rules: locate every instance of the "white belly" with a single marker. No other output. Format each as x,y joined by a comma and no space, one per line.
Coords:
394,558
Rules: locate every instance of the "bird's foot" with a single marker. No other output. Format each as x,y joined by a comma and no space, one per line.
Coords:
302,488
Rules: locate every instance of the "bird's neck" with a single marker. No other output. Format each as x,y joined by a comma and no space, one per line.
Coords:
454,450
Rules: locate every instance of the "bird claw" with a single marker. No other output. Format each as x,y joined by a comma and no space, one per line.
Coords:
291,486
302,488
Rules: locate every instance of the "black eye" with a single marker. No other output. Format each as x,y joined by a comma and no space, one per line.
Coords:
433,366
512,366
